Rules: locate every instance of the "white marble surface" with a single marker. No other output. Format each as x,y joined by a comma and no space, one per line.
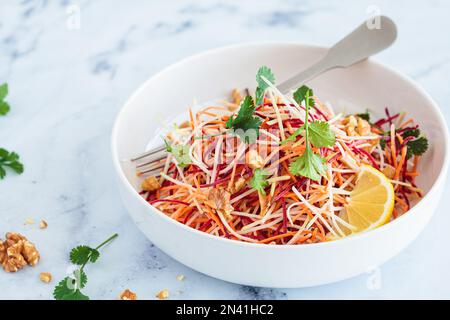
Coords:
68,84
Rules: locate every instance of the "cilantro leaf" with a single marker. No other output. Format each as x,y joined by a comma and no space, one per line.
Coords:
10,160
80,255
382,144
245,125
80,278
411,133
69,287
317,133
293,136
365,116
304,93
3,91
95,254
262,85
76,295
4,106
259,95
66,290
309,165
181,154
168,146
416,147
321,135
259,181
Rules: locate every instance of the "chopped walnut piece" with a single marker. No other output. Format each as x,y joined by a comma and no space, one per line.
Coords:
163,294
2,252
150,184
219,199
43,224
254,159
128,295
237,98
363,127
350,124
239,184
14,260
236,95
350,121
30,253
29,221
180,277
16,252
13,237
356,126
45,277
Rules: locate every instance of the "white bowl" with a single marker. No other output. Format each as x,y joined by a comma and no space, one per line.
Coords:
211,75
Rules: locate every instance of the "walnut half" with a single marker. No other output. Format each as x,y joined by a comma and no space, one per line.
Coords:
219,199
16,252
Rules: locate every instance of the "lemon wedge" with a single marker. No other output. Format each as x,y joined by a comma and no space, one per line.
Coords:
371,201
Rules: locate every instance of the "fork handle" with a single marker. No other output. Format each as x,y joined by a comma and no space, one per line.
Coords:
363,42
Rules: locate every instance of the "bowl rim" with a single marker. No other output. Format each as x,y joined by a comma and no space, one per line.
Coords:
371,233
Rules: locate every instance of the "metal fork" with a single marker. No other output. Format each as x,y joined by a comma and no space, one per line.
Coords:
151,162
371,37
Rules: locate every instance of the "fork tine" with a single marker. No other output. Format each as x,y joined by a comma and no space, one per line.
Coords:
151,166
148,153
155,173
152,159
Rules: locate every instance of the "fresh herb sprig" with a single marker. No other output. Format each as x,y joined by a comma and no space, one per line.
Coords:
9,160
70,287
364,116
180,152
417,146
4,106
317,134
414,147
245,124
259,180
262,85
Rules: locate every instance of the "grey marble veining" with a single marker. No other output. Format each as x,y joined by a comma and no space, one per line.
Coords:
67,83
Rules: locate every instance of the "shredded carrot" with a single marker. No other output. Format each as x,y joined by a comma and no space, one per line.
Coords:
215,191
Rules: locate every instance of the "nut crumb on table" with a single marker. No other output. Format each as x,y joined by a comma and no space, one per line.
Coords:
43,224
128,295
163,294
45,277
180,277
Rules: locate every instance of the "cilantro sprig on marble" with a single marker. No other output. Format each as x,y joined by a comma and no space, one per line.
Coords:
9,160
70,287
4,106
317,134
